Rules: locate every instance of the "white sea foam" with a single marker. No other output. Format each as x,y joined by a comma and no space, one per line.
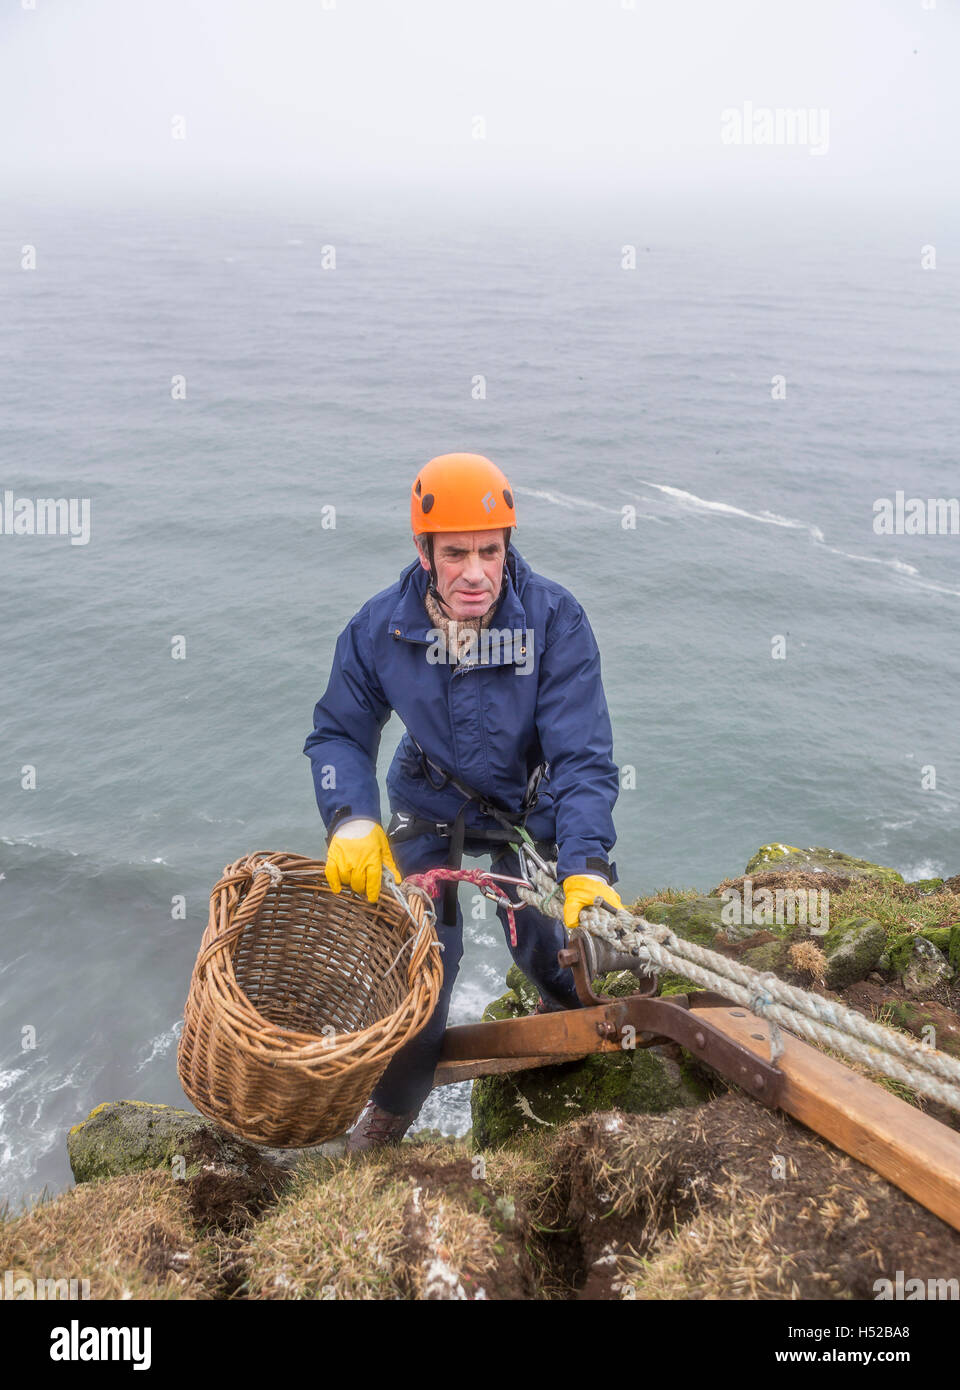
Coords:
695,503
690,499
925,868
161,1044
571,502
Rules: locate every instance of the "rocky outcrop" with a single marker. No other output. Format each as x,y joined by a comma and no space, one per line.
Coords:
852,949
818,860
702,919
225,1179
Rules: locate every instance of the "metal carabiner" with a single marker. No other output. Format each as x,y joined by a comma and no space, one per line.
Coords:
506,878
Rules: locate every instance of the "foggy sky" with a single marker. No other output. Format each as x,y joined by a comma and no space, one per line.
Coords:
581,93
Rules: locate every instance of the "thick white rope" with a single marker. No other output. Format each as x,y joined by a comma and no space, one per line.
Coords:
822,1021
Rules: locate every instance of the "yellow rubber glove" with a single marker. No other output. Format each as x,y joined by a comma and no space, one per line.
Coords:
356,856
579,891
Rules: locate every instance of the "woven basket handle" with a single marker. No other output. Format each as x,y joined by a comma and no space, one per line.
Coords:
261,877
425,938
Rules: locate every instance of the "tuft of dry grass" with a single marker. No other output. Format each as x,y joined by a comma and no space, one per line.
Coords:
663,895
807,957
130,1237
730,1252
418,1221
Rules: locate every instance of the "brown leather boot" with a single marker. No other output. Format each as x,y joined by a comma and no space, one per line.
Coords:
377,1127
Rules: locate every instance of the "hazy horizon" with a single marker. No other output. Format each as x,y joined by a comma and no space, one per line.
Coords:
108,100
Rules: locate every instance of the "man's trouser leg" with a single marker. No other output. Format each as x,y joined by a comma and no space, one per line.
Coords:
408,1079
539,938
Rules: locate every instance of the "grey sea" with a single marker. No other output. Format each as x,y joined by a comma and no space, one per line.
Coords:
698,409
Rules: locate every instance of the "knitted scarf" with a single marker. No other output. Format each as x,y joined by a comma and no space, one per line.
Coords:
458,630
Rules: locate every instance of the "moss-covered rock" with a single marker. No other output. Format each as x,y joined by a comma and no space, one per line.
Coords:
527,993
227,1179
926,968
618,984
947,940
819,860
637,1081
852,949
130,1136
701,919
769,956
899,951
926,885
507,1006
918,961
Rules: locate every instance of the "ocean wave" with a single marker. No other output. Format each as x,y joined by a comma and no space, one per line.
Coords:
95,864
901,567
572,502
691,499
161,1044
925,868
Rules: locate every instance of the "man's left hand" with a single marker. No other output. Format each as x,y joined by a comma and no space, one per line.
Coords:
579,891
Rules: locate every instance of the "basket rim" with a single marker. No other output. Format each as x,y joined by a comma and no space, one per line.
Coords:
217,980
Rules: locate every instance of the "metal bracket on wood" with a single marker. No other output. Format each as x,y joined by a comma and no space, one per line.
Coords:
604,1024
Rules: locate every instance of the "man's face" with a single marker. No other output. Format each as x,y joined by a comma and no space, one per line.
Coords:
469,570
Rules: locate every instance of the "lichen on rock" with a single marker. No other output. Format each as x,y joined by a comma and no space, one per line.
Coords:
819,859
226,1178
852,949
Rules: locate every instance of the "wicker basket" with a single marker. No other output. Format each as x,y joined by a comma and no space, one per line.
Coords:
299,998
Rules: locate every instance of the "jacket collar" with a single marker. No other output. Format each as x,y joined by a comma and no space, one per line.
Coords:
410,619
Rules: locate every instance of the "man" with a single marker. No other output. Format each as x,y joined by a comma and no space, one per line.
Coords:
495,673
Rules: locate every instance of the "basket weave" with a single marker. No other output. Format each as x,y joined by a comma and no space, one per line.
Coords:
282,959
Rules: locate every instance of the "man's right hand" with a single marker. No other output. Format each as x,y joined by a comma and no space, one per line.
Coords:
356,856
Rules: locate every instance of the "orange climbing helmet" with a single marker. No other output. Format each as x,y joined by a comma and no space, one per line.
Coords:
461,492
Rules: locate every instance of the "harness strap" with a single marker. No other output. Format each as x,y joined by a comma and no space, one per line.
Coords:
403,826
406,826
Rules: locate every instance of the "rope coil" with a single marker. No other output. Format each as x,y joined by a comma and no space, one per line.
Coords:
823,1022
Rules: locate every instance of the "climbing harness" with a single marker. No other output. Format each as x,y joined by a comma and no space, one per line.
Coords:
404,826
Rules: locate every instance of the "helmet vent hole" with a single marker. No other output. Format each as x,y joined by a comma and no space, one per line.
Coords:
427,502
508,497
417,488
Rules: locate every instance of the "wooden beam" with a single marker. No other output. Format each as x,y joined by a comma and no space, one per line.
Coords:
912,1150
449,1072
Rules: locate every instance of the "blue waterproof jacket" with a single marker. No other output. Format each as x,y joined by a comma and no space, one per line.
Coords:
489,722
